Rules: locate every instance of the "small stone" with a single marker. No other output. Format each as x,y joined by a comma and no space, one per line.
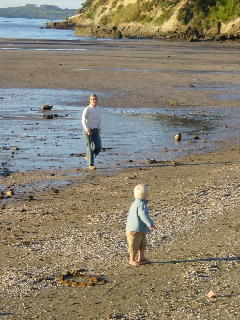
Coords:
48,116
15,148
211,295
178,137
30,198
46,107
151,161
173,102
5,172
10,193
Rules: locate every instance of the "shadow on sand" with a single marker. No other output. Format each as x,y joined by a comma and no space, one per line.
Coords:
197,260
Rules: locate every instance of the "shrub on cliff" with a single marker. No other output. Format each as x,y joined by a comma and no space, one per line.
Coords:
201,18
206,13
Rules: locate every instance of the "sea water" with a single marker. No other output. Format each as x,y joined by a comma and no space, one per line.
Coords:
130,137
22,28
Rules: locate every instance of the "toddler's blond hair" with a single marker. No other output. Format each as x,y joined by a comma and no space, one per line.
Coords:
141,191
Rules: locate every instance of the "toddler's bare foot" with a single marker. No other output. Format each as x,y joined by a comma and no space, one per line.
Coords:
134,263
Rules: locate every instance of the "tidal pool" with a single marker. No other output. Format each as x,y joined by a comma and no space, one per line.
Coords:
31,142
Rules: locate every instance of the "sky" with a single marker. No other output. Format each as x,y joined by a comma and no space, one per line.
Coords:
70,4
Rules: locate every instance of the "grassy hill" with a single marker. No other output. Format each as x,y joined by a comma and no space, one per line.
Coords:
33,11
158,18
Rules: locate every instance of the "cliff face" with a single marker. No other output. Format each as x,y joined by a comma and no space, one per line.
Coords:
158,18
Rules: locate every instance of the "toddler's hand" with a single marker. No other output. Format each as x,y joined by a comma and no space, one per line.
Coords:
153,228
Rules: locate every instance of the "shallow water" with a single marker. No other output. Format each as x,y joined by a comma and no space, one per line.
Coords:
31,142
42,49
22,28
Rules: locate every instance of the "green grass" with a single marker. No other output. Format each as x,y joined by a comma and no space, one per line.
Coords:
90,14
163,17
204,14
225,11
105,20
140,12
198,14
102,2
130,13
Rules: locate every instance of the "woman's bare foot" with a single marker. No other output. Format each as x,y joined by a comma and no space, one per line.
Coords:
134,263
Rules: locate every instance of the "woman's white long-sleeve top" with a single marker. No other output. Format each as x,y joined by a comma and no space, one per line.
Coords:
91,118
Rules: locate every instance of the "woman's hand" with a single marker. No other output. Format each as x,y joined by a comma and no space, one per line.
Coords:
89,133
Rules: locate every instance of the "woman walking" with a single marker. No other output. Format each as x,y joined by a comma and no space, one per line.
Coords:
91,121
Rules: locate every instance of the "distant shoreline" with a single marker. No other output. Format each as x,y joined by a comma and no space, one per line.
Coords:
31,11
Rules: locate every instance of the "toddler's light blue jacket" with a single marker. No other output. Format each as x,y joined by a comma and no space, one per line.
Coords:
138,217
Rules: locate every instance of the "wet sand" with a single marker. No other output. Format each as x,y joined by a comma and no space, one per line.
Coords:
135,73
195,201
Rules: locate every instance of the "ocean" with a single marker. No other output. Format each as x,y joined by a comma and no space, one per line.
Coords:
22,28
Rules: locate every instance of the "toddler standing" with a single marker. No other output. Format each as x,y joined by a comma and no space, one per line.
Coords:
138,225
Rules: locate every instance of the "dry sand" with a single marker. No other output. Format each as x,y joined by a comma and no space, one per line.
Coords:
194,201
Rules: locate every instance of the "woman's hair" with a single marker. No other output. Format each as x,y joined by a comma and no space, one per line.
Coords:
141,191
93,95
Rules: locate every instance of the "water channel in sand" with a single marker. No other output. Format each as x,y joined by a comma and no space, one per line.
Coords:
31,142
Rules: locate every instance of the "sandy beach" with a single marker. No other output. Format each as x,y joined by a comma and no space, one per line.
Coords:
135,73
52,228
